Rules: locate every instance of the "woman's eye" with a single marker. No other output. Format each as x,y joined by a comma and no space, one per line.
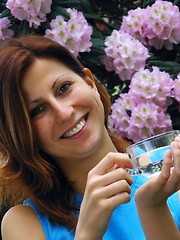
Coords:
36,111
63,88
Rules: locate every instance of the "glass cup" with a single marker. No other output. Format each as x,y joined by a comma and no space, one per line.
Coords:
147,155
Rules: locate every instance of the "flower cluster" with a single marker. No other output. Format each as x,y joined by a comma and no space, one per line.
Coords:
157,25
124,54
5,31
75,34
33,12
155,86
141,112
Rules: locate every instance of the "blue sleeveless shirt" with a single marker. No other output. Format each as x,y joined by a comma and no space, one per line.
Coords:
124,223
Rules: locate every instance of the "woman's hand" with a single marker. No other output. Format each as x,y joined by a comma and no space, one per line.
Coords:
108,185
156,191
151,198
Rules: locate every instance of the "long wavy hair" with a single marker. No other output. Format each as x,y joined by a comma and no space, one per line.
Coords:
25,170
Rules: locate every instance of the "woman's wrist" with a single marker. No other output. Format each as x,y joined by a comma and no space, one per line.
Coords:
82,235
158,220
85,232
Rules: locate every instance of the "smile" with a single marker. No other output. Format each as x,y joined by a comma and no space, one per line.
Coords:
76,129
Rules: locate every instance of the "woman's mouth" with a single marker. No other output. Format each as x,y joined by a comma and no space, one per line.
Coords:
76,129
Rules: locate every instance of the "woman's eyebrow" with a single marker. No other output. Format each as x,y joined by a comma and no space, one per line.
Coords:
57,79
35,101
63,76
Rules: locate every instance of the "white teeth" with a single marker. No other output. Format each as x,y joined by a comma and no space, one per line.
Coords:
75,130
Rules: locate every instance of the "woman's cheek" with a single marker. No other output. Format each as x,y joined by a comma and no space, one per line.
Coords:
41,127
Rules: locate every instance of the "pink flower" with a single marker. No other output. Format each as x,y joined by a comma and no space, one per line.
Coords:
32,11
148,119
119,119
134,24
142,112
155,86
157,25
75,34
5,31
125,55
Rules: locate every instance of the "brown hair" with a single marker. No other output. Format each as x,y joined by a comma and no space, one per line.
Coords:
25,171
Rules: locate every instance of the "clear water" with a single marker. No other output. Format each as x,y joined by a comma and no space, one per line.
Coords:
152,162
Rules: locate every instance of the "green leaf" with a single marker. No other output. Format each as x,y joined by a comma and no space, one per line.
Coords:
96,33
2,5
92,16
89,59
24,29
5,13
111,6
85,6
168,66
176,2
98,43
147,3
58,11
67,4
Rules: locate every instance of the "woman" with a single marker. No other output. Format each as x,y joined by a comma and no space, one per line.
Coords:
57,151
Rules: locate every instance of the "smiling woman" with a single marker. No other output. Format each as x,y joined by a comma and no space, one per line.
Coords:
61,164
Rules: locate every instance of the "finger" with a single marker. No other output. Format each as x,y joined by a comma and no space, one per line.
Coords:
177,138
175,146
171,178
116,188
116,175
165,171
118,199
113,160
174,181
121,165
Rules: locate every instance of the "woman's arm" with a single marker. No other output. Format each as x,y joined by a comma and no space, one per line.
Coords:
151,198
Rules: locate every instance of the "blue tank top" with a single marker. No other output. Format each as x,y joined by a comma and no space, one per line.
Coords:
124,223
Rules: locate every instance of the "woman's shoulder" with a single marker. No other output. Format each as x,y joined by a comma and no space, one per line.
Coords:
18,223
52,230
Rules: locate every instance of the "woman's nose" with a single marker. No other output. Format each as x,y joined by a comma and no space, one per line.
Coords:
62,112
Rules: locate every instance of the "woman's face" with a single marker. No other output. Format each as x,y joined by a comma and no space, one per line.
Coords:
66,111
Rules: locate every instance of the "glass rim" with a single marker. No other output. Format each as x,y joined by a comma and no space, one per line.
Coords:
152,138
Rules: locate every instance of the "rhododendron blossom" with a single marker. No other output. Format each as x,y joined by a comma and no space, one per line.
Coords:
155,86
134,24
124,54
74,34
33,11
157,25
142,112
137,121
5,31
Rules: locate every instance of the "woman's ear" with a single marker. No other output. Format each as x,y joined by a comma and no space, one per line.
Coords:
88,73
90,78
